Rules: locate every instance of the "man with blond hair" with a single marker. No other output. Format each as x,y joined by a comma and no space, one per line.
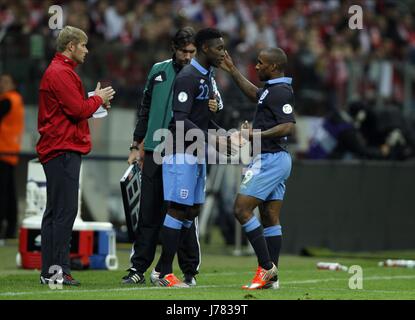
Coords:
64,138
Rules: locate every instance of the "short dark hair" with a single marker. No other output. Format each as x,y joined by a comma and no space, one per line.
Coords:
278,57
205,35
183,37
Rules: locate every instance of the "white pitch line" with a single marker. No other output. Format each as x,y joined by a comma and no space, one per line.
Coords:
103,290
4,294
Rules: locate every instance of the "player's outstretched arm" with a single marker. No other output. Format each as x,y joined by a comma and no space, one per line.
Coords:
281,130
221,141
247,87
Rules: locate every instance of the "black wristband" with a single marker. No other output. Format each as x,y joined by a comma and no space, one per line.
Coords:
133,147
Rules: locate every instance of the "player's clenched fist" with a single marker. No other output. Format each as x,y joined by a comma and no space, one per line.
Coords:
213,105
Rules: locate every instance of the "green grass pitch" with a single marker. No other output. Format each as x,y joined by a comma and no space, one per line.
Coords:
221,277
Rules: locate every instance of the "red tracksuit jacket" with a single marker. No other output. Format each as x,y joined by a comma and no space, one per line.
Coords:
63,111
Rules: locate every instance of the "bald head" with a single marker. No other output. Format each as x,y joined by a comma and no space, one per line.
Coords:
276,56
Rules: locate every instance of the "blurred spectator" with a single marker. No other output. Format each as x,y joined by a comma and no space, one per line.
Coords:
115,19
259,33
77,15
387,126
330,63
135,20
98,22
11,130
229,18
338,137
206,16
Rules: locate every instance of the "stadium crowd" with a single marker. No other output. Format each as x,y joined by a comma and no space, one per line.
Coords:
331,64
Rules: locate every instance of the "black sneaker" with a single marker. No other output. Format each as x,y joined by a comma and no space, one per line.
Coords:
133,277
189,279
66,280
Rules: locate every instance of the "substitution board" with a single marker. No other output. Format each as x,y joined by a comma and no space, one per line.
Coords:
131,190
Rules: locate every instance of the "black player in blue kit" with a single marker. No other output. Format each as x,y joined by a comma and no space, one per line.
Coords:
263,185
184,170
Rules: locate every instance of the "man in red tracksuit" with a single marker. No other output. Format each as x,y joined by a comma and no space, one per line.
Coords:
64,137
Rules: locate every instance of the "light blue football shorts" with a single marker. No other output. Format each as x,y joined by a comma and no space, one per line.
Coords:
265,176
184,179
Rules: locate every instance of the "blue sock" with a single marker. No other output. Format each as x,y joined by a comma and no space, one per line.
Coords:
273,237
170,235
255,234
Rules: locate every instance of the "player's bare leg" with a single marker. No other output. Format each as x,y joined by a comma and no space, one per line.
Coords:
244,206
270,212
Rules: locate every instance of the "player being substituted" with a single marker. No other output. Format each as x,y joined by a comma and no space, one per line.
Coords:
263,184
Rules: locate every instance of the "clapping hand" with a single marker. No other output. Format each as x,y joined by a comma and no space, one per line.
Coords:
106,94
